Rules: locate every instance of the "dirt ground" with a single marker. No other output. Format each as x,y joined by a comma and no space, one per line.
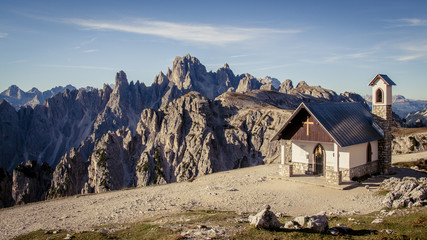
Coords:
241,190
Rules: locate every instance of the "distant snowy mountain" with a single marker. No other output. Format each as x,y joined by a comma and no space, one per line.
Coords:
17,98
401,105
417,119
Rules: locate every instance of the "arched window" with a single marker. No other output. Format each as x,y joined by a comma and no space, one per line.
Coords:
369,153
379,96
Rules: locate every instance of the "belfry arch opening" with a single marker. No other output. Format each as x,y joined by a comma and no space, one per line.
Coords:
379,96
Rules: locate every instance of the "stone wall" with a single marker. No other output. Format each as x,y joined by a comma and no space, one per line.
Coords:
383,117
333,177
286,170
368,168
330,174
300,168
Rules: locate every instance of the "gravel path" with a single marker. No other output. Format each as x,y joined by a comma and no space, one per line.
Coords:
242,190
410,157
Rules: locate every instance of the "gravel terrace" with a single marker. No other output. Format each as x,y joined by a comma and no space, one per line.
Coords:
241,190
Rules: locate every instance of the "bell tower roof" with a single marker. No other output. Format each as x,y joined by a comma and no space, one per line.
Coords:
383,77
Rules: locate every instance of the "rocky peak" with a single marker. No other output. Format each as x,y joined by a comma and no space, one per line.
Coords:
121,79
12,91
301,84
247,83
160,79
398,98
34,90
185,70
286,86
274,82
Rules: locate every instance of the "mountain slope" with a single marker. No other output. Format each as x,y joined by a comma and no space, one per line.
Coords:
189,122
417,119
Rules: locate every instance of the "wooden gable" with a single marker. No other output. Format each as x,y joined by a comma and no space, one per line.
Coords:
305,127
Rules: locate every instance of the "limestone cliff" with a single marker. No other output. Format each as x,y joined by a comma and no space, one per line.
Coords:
189,122
190,136
30,182
5,189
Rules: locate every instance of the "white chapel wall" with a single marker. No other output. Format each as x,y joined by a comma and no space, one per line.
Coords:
374,147
358,153
302,152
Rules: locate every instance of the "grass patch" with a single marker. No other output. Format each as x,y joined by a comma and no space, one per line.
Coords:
382,192
420,163
405,224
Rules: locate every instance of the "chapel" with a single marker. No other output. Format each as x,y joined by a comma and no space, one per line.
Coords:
343,140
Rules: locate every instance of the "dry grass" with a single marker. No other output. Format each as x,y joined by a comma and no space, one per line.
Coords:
398,132
405,224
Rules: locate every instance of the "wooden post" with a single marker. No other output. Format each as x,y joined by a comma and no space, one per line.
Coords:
337,157
282,152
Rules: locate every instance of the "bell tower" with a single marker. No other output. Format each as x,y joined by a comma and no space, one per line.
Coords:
381,108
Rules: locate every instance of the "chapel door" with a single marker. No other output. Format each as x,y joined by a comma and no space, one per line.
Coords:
319,159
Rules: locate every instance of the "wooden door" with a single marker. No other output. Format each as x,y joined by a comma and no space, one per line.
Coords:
319,159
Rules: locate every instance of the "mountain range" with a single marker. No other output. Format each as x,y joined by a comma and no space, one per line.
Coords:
189,122
402,106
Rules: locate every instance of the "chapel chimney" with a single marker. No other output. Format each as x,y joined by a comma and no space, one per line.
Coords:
382,111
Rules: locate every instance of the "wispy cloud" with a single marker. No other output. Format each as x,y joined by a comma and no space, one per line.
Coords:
199,33
408,22
411,51
408,57
3,35
348,56
77,67
84,43
90,50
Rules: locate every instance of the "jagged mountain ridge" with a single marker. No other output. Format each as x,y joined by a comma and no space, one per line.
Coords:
136,135
78,118
417,119
402,106
33,97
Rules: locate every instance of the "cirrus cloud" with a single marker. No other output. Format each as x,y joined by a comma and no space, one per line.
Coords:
408,22
199,33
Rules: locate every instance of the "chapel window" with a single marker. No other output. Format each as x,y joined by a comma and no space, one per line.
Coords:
379,95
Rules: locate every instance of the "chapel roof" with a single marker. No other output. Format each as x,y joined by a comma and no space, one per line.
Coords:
384,77
346,123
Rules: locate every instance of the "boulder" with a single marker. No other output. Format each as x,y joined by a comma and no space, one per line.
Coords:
265,219
301,220
318,223
406,192
292,225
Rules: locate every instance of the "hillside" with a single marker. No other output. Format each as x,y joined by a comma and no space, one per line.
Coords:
417,119
189,122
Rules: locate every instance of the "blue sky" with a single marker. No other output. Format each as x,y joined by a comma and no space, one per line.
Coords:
340,45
